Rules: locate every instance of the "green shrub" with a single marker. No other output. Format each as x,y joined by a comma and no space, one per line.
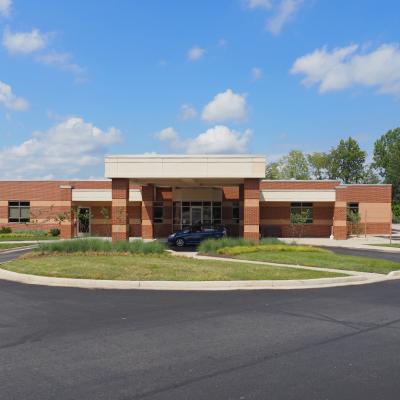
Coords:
5,229
396,212
213,245
30,232
55,232
101,246
236,250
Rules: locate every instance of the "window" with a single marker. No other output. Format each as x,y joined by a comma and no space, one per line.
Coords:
19,211
217,213
352,210
235,212
301,208
188,213
158,212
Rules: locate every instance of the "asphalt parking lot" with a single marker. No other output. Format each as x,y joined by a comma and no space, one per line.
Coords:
66,343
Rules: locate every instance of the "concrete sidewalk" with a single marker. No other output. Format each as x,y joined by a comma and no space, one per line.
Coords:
368,243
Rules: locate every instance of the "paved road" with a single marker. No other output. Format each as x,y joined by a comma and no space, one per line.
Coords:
384,255
66,343
10,255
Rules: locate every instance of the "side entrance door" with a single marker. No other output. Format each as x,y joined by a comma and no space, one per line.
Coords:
83,221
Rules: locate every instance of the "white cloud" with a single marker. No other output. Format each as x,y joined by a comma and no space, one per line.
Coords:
217,140
5,7
24,42
65,150
187,112
63,62
10,100
256,73
169,134
286,11
349,66
253,4
195,53
226,106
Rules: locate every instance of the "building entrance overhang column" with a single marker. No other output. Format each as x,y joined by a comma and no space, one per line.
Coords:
183,173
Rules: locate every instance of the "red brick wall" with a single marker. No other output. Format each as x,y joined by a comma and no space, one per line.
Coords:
275,220
301,185
147,211
120,200
374,207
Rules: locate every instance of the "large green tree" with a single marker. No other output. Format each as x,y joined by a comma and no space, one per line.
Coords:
273,170
318,164
346,162
387,159
295,166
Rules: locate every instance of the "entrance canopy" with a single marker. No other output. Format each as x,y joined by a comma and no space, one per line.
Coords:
187,170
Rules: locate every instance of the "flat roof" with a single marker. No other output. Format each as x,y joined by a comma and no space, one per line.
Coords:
151,155
184,166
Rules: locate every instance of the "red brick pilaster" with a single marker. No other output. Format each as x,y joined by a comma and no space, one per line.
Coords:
147,211
340,220
67,224
251,205
120,199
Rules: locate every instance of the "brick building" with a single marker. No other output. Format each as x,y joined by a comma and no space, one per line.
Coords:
152,196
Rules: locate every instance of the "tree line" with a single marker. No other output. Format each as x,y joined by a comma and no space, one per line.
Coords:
346,162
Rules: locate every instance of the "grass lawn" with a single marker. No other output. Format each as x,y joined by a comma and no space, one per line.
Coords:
19,238
323,259
152,267
6,246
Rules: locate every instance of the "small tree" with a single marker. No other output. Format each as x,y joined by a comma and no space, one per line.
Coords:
298,220
353,219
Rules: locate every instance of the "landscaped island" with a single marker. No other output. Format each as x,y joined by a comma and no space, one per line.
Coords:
275,251
138,260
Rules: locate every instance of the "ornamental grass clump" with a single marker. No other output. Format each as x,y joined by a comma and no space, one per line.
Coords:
101,247
237,250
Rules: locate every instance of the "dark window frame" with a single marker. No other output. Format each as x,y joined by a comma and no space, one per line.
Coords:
352,207
19,205
236,212
299,207
158,206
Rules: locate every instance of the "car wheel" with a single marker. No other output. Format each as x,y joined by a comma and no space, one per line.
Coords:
180,242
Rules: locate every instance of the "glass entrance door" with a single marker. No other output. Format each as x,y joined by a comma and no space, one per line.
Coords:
196,215
83,221
188,213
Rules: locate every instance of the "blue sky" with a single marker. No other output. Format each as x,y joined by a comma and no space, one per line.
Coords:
80,79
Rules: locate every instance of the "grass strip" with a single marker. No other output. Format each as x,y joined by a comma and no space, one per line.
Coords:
324,259
153,267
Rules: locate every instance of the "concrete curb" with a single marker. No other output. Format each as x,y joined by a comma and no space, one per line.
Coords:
16,249
394,275
188,285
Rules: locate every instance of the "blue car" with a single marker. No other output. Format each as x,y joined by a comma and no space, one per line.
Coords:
194,235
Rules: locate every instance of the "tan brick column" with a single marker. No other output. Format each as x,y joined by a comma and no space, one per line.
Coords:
67,225
251,204
147,211
340,220
120,199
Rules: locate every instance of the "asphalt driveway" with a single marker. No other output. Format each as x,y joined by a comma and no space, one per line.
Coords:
65,343
372,253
